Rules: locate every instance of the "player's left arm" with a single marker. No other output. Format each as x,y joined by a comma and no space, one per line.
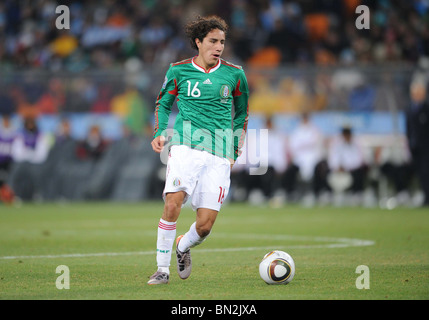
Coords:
241,115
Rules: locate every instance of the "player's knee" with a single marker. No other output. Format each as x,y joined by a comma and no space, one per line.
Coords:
172,210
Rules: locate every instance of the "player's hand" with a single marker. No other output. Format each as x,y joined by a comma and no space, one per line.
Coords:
158,144
232,163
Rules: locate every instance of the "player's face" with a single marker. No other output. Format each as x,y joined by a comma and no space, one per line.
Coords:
211,48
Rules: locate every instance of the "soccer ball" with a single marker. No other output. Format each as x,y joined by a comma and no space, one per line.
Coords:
277,267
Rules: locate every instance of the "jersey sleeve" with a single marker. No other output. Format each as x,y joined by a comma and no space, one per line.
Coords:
241,115
164,102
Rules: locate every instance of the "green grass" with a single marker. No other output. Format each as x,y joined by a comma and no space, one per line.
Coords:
36,238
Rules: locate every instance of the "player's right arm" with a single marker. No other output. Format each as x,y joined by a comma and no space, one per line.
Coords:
163,105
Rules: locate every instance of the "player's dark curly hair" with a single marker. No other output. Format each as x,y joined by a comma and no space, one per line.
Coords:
199,28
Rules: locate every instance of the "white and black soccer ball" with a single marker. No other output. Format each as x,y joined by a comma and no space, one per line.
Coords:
277,267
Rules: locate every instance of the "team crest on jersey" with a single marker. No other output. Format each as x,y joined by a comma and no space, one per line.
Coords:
225,92
177,182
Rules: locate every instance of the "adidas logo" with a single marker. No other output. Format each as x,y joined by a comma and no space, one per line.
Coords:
207,81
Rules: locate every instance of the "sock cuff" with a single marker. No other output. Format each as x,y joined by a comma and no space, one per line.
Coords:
193,230
166,225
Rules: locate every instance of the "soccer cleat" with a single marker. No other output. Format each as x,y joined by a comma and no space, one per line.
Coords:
159,278
184,263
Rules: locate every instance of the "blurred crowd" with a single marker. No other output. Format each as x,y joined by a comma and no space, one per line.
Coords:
113,58
108,33
37,166
310,168
306,167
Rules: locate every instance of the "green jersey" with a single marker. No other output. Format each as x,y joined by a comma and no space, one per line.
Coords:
205,100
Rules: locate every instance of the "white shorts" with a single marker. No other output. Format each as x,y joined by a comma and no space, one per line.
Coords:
203,176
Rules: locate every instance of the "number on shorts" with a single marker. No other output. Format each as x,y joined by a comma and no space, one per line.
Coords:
221,195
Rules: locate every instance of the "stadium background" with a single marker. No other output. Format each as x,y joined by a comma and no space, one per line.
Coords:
108,68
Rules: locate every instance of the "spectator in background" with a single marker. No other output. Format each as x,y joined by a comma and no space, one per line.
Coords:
395,164
64,148
64,145
63,132
346,156
306,146
93,146
31,145
260,187
30,150
7,135
277,158
106,33
131,107
22,107
53,100
417,128
138,117
102,102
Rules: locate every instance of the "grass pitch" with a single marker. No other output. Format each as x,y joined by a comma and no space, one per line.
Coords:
109,249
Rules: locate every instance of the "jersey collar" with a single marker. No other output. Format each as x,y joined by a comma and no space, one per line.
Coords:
213,69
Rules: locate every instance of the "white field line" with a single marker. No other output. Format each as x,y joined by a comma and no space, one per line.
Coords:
329,243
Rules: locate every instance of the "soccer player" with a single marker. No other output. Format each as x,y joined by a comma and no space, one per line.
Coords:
205,143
